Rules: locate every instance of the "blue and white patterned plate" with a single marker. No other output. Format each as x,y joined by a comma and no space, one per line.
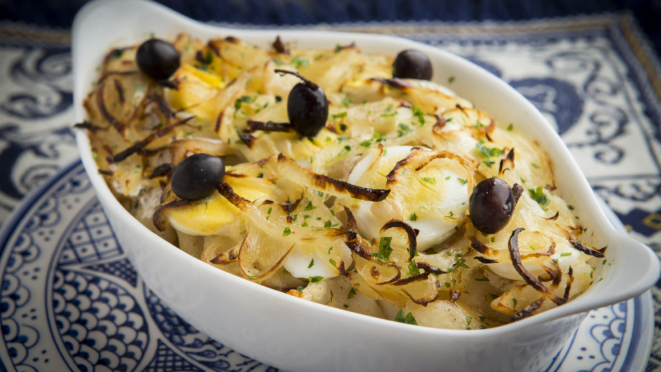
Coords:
71,301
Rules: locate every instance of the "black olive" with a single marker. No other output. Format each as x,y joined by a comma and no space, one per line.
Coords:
492,204
158,59
412,64
307,106
197,176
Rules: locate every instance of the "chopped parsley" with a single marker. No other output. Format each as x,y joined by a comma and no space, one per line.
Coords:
309,207
240,101
340,115
570,207
287,231
346,306
431,180
352,293
534,165
413,269
462,181
451,80
510,127
316,279
332,262
346,102
413,217
329,223
493,239
514,301
539,196
469,319
408,318
311,263
366,143
488,152
300,289
565,254
346,149
403,129
299,62
384,249
330,249
389,112
418,113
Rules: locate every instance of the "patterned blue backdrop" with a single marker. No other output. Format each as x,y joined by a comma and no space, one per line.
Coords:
595,78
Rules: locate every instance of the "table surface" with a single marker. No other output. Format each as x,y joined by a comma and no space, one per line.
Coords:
595,78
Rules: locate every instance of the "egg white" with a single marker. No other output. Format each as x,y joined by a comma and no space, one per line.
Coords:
432,231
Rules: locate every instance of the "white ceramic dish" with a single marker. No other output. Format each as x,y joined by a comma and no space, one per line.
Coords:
297,335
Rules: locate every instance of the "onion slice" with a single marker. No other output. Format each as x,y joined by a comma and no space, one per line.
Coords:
513,246
290,170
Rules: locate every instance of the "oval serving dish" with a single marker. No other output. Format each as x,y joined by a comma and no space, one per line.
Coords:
298,335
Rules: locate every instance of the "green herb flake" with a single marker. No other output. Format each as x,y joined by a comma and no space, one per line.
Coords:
535,165
565,254
316,279
413,217
346,149
240,101
408,318
413,268
352,293
287,231
95,156
309,207
451,80
346,102
403,130
346,306
429,180
570,207
389,112
462,181
299,62
539,196
299,289
384,249
366,143
481,279
488,152
514,301
340,115
418,113
493,239
510,127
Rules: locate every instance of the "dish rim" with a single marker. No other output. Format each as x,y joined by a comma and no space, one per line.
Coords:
580,304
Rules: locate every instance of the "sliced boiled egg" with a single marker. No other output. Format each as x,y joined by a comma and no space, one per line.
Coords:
433,199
